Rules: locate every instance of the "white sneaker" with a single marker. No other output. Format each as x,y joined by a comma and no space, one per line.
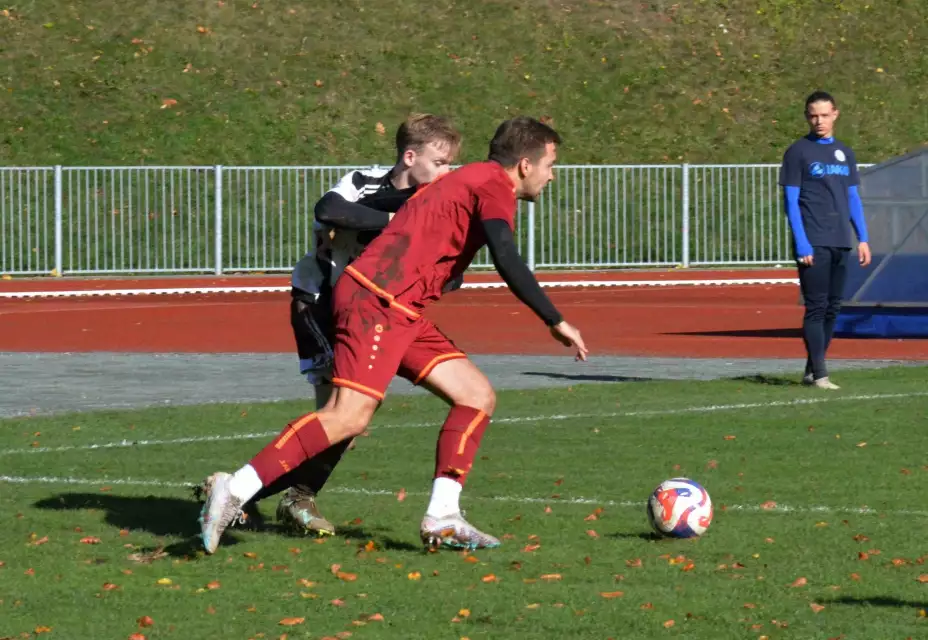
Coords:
825,383
218,512
455,532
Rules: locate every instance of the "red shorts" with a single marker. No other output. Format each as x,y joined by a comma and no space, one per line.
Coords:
375,341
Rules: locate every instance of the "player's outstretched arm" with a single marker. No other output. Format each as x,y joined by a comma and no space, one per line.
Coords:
525,287
334,210
369,213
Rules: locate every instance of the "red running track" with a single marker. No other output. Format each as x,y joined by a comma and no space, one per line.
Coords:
697,321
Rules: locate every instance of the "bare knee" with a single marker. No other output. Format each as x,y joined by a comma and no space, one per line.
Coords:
478,396
346,417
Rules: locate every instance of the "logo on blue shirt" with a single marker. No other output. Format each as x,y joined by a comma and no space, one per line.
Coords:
820,170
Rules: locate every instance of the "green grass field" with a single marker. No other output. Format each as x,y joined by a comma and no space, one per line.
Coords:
267,83
95,540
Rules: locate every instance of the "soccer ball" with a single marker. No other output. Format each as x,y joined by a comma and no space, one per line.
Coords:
680,508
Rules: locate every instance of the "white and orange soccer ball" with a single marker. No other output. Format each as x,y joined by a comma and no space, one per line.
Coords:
680,508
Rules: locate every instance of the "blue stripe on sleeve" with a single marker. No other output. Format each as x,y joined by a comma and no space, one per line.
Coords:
857,213
803,248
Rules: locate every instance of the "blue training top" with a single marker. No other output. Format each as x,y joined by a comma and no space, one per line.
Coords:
820,181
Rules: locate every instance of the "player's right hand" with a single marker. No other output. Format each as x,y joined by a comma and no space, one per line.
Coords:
806,260
569,336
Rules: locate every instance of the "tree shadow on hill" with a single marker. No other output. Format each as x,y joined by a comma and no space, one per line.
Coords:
877,601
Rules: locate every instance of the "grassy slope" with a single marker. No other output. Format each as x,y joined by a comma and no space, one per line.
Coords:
300,82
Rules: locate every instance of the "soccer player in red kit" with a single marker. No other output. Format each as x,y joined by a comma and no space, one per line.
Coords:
380,331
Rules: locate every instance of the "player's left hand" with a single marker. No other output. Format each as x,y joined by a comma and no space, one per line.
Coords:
863,253
569,336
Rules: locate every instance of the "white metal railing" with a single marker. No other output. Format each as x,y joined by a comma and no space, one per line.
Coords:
215,219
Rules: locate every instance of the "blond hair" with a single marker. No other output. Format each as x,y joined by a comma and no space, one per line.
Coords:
419,129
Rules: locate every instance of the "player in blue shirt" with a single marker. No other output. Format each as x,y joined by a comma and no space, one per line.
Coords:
819,179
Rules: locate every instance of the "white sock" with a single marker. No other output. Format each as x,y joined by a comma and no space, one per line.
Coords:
245,483
445,494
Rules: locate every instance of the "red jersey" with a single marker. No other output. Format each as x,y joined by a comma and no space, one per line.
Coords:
435,235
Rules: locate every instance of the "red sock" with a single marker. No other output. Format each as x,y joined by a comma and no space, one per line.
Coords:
458,442
301,440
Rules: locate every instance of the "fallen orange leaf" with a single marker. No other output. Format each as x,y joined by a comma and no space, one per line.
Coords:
338,602
730,437
612,594
856,576
669,624
109,586
39,630
213,585
472,559
750,605
375,617
137,636
145,621
347,577
380,129
306,583
633,563
647,605
489,578
90,540
401,495
534,605
816,607
292,622
414,575
531,547
770,504
551,576
898,562
799,582
689,566
464,613
41,540
592,533
250,554
923,578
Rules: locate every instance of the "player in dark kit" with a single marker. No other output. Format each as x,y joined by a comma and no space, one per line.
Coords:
820,181
347,218
380,330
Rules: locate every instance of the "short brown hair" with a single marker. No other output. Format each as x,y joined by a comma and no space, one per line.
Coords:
419,129
521,137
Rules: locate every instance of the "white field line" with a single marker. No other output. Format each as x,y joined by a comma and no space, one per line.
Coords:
524,500
86,293
712,408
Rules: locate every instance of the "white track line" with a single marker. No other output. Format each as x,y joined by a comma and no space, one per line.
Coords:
86,293
712,408
525,500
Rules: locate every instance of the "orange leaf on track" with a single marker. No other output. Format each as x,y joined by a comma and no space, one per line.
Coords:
109,586
611,594
145,621
531,547
592,533
90,540
292,622
137,636
347,577
799,582
669,624
633,563
213,585
401,495
923,578
551,576
414,575
770,504
816,607
489,578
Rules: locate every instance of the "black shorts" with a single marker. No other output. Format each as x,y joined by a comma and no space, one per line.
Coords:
311,320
